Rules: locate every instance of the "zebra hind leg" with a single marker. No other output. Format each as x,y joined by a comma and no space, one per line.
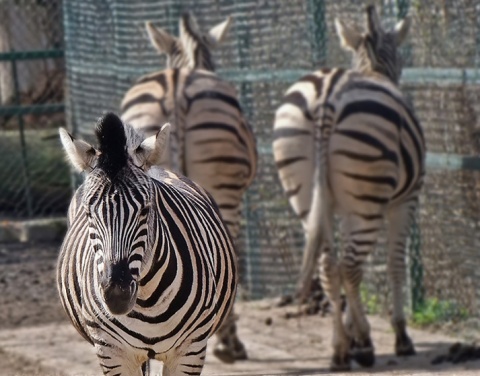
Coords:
331,283
399,223
229,348
361,345
361,350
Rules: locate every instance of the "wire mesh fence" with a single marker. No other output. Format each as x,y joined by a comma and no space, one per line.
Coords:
34,180
269,46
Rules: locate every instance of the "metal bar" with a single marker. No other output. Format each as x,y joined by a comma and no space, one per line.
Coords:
26,171
434,161
435,76
317,31
438,76
31,55
452,162
32,109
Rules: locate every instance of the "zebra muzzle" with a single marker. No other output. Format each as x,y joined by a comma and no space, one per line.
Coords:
119,288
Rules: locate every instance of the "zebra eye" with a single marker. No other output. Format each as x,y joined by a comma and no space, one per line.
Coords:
139,149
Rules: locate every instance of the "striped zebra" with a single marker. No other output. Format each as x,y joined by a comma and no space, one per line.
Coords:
192,48
356,135
211,142
147,269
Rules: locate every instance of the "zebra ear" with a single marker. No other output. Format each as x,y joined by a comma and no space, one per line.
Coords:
218,32
350,38
160,39
401,30
152,149
82,155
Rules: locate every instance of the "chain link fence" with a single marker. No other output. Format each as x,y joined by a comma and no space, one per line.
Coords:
269,46
34,180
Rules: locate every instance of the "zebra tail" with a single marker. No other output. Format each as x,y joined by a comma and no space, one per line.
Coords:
320,220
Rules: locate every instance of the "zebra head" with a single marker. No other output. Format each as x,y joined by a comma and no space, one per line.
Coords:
375,50
117,199
192,49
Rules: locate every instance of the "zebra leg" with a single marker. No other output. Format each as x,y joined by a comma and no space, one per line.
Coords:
399,222
331,284
360,234
114,360
361,346
191,363
146,368
229,348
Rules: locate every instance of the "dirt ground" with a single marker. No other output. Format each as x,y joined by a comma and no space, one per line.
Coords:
28,297
30,311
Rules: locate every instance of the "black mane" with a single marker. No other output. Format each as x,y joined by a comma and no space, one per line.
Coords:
113,144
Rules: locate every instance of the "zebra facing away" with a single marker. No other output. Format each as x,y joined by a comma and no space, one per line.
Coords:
192,48
147,269
211,141
353,131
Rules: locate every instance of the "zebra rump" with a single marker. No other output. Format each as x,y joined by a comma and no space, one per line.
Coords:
347,143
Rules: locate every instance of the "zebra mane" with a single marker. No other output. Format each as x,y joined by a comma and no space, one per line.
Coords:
196,43
112,144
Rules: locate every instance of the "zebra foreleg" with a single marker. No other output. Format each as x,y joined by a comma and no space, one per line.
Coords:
399,222
191,363
229,348
331,283
115,361
146,368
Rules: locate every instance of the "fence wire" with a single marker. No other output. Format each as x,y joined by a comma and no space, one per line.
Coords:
34,180
269,45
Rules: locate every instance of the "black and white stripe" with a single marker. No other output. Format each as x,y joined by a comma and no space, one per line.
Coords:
211,141
147,269
356,135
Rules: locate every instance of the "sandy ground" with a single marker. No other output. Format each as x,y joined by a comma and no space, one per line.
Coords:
37,339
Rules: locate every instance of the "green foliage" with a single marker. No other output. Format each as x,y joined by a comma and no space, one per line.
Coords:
48,178
370,301
434,311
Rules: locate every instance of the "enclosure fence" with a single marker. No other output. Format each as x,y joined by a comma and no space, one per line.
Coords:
269,46
34,181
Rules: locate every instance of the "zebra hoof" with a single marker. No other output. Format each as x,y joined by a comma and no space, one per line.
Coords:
228,355
340,363
364,354
404,348
364,357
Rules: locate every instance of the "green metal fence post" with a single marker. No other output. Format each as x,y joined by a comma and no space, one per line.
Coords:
252,252
318,31
26,171
417,290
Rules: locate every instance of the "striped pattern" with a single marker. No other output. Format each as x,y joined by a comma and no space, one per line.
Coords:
211,142
347,142
147,269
